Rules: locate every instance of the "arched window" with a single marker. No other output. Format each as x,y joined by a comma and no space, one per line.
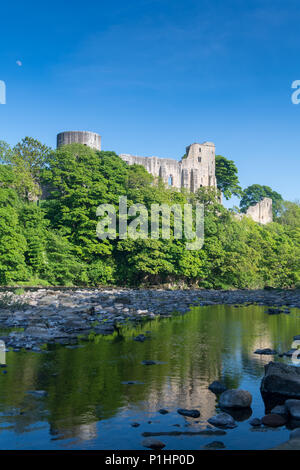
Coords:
170,180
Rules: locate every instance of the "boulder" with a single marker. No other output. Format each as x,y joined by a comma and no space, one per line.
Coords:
273,420
279,410
217,387
281,379
235,399
293,408
222,420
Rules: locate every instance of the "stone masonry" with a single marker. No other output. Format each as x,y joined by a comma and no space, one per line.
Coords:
90,139
262,211
195,169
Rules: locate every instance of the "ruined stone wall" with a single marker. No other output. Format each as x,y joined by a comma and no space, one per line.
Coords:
195,170
262,211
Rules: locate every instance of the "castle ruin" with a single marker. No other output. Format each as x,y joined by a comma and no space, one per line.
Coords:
195,169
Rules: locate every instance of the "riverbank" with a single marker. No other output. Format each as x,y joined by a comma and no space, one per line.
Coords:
61,316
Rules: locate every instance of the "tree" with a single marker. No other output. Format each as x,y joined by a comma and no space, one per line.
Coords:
290,214
255,193
227,177
27,159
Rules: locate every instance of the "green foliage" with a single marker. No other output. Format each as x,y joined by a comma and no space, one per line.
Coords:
54,242
26,160
290,214
227,177
255,193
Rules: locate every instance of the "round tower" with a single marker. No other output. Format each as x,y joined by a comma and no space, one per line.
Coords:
90,139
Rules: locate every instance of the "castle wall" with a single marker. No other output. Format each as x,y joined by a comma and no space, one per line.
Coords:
195,170
262,211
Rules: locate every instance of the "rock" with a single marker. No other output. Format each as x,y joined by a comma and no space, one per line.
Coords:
217,387
281,379
273,420
290,352
215,445
153,443
255,422
279,410
274,311
235,399
163,411
292,444
295,434
222,420
266,351
293,408
189,413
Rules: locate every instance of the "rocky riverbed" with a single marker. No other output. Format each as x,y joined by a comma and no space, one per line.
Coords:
40,316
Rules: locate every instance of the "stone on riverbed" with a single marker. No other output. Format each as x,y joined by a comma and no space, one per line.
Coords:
266,351
189,413
235,399
255,422
293,408
274,311
273,420
217,387
222,420
215,445
279,410
153,443
281,379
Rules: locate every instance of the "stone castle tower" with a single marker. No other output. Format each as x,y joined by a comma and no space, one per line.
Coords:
90,139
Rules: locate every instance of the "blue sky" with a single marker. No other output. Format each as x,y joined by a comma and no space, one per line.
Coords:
152,76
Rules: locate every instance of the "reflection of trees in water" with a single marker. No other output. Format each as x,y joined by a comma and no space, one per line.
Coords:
85,385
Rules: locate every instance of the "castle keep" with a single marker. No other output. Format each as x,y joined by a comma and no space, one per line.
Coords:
196,169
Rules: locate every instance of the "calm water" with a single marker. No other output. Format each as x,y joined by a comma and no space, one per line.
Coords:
88,406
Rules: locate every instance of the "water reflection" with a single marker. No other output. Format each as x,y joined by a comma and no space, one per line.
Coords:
87,389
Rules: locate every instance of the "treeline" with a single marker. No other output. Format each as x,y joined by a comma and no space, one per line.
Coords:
48,203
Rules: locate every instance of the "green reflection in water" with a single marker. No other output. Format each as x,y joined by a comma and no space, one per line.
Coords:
85,386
